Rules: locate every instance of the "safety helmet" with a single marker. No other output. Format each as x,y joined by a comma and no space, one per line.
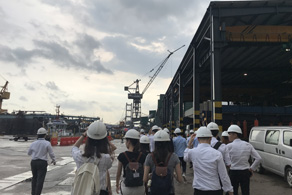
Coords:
204,132
161,136
166,130
234,129
144,140
97,130
212,126
224,134
155,128
177,130
132,134
142,131
192,131
41,131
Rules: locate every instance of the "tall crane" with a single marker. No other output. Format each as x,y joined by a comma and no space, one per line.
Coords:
4,94
136,96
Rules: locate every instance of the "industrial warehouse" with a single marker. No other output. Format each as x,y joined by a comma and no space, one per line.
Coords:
237,69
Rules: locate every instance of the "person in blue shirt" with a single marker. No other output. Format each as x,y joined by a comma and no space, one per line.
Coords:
180,145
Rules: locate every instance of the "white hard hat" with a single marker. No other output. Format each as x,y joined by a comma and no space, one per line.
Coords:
212,126
177,130
97,130
192,131
155,127
166,130
132,134
144,140
204,132
41,131
224,134
142,131
234,129
161,136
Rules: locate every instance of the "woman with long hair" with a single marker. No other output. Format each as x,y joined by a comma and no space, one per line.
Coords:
96,146
128,185
144,145
163,155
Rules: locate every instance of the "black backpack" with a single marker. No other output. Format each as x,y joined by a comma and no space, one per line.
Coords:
161,178
134,172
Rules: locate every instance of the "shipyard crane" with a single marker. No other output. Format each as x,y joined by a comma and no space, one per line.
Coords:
4,95
136,96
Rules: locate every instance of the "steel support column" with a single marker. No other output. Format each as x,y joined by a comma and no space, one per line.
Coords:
196,94
216,88
181,102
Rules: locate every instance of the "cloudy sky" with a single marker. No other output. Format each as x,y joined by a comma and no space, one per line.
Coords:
80,54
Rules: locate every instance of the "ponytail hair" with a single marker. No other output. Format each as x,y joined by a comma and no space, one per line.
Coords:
135,143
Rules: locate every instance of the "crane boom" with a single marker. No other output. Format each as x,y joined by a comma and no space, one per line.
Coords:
159,69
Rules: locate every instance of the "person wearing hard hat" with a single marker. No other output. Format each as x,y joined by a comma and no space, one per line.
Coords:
97,146
162,155
142,132
132,154
144,145
224,138
153,130
171,147
213,127
208,165
180,145
240,152
188,139
38,151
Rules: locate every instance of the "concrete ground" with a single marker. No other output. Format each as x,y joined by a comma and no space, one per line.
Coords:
15,173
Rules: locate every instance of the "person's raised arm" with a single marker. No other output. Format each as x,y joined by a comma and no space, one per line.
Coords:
118,176
80,140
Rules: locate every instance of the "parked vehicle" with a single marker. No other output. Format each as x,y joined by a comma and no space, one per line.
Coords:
274,144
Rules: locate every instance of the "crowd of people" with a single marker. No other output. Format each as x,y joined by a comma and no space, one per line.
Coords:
154,160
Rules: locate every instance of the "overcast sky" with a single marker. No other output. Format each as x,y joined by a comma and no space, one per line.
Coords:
80,54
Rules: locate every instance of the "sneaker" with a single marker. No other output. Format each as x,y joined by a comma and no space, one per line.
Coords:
184,177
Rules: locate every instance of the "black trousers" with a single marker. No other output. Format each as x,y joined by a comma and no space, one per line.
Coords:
39,170
200,192
183,164
242,178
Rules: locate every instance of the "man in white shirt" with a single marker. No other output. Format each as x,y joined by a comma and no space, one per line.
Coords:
153,130
208,166
239,152
39,161
213,127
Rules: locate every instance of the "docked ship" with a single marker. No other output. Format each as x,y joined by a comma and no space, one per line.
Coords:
24,124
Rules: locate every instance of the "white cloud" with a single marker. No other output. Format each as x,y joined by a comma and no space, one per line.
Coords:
81,53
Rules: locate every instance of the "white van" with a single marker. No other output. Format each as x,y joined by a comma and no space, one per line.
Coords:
274,144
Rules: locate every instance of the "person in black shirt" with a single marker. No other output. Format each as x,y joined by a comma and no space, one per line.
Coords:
132,143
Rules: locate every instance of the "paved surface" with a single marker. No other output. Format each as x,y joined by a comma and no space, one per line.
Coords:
15,173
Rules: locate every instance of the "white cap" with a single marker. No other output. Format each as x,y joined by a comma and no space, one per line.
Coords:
132,134
212,126
192,131
161,136
234,129
204,132
144,140
142,131
224,134
177,130
166,130
97,130
41,131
